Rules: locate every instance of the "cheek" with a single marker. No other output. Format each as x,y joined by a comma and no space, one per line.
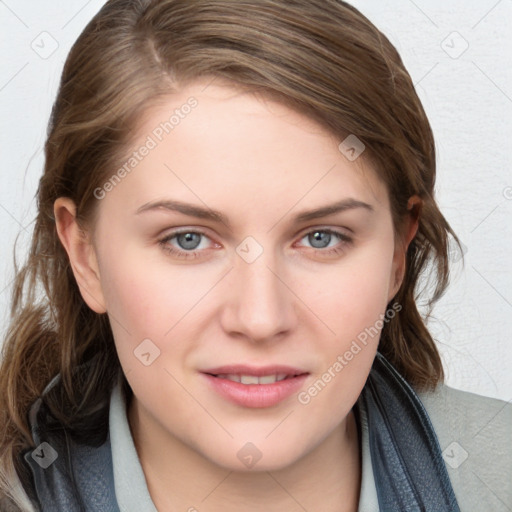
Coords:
148,297
148,293
352,297
352,303
354,311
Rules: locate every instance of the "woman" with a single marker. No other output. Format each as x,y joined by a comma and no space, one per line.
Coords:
236,207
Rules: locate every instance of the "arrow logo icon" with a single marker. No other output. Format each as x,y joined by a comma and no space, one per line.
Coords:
146,352
352,147
44,455
249,249
454,455
454,45
40,455
249,455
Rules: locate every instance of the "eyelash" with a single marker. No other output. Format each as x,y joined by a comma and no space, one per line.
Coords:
337,250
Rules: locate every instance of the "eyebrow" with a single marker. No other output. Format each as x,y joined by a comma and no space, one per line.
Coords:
216,216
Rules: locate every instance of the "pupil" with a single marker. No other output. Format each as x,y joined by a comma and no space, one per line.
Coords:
188,240
317,236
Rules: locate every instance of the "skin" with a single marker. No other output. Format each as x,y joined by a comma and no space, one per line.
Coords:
260,164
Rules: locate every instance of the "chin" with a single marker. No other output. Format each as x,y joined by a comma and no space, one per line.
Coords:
251,457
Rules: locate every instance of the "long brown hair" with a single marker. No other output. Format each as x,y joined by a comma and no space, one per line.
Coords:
320,57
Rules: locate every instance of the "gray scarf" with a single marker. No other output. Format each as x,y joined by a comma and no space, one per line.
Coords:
409,471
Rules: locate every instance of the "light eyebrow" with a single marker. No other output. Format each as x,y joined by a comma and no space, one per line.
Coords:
216,216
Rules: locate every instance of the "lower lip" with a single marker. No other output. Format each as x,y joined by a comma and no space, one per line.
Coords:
256,395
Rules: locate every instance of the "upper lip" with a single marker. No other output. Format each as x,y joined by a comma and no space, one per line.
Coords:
257,371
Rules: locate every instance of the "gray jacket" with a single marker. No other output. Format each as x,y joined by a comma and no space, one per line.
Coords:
442,451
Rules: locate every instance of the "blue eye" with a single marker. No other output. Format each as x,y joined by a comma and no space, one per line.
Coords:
323,237
189,241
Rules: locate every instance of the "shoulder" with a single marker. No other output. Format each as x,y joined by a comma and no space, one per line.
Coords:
474,434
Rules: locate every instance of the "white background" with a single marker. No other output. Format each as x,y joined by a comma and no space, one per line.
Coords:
467,93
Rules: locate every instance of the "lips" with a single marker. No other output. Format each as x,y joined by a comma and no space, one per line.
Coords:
255,387
238,369
254,379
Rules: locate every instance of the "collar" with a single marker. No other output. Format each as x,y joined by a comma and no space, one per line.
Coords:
130,484
409,470
368,499
402,464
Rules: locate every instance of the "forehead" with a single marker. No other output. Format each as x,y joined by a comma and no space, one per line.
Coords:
219,145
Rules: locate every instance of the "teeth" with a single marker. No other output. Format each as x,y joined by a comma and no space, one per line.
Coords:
233,377
253,379
267,379
249,379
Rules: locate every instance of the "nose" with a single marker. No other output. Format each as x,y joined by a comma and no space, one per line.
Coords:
258,302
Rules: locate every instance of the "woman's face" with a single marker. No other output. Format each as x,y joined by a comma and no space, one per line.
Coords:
260,282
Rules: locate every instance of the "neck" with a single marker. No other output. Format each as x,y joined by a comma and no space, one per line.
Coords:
179,478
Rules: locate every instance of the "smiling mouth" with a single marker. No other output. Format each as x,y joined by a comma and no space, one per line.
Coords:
255,387
254,379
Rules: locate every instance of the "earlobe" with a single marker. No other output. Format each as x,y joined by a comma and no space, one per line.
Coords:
414,206
410,229
81,253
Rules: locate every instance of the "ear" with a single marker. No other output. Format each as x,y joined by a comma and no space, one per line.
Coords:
81,253
410,228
